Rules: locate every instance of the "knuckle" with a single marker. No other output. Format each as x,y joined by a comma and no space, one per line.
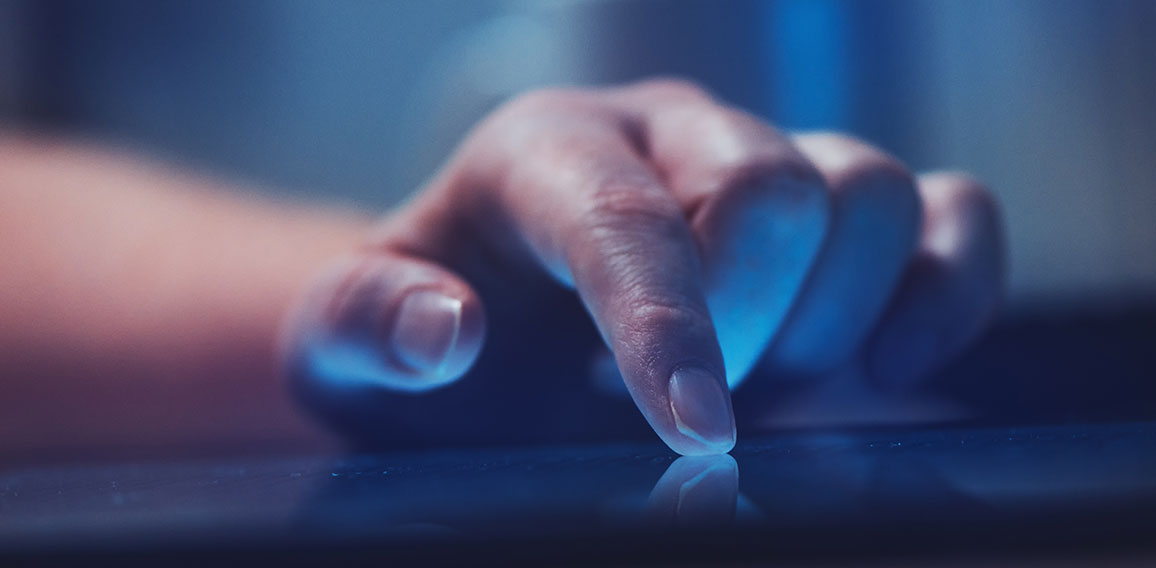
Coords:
631,201
966,226
859,169
671,88
545,123
881,171
759,155
965,192
847,160
539,100
967,187
722,120
864,166
531,106
761,167
726,123
830,138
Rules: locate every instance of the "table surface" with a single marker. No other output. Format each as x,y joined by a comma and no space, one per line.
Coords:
1040,490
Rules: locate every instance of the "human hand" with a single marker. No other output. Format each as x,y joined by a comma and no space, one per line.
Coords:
696,237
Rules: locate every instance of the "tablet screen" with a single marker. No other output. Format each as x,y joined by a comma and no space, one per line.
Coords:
847,494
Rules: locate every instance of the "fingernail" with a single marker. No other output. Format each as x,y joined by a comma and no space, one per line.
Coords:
701,409
426,330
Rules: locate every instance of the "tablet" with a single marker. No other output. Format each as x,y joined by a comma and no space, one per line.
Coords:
893,496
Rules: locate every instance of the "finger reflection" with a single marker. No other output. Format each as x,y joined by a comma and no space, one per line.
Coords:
696,490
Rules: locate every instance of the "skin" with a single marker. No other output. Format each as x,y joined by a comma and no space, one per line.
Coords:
584,255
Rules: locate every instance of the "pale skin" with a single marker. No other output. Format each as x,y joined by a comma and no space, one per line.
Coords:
579,241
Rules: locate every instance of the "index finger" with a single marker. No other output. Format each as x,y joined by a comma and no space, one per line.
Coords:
595,215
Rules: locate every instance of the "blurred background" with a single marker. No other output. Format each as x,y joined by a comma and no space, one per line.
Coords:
1049,101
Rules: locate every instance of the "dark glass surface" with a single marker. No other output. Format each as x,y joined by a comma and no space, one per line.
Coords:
827,495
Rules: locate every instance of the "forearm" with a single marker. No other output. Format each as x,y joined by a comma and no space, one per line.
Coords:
140,308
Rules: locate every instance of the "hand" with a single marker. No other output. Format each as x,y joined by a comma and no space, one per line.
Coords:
693,236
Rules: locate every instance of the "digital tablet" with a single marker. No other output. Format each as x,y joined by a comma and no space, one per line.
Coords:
1041,492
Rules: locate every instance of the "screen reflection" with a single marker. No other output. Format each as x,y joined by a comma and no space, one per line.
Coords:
696,490
956,481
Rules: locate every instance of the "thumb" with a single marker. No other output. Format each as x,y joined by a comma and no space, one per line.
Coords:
381,320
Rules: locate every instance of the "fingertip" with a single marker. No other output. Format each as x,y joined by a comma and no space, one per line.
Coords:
693,447
700,407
